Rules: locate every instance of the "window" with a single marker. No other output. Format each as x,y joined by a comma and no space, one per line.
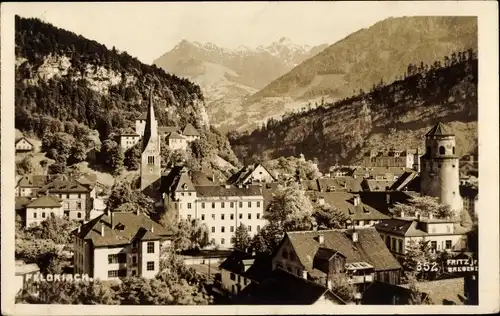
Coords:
117,258
34,215
249,228
232,276
289,269
249,204
222,241
134,273
241,216
78,205
134,244
231,229
189,217
189,205
240,204
112,273
203,205
231,205
79,215
222,216
231,216
258,204
213,216
291,256
400,246
213,204
222,229
43,214
67,196
448,244
202,217
150,265
434,245
134,260
453,150
213,229
441,150
222,204
122,273
285,254
151,247
258,228
151,160
429,150
189,194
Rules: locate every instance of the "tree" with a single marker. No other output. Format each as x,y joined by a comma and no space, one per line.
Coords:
424,206
65,292
328,217
416,255
57,168
112,156
268,239
190,234
43,252
25,166
78,153
57,229
416,296
123,198
291,209
241,238
132,159
342,287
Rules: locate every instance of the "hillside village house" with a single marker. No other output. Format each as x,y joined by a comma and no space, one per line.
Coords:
359,254
221,207
24,145
256,173
121,244
176,141
442,234
129,138
41,208
28,185
190,133
408,158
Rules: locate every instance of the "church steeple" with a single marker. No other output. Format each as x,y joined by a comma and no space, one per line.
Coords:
150,158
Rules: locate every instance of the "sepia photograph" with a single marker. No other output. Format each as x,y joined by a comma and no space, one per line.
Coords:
239,155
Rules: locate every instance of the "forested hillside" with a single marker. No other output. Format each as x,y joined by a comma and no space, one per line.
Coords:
68,84
389,115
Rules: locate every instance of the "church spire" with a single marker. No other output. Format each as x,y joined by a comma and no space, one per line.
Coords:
150,130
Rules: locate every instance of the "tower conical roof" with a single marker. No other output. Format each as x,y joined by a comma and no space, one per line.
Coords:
440,129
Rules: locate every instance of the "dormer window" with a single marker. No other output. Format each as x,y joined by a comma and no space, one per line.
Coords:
184,186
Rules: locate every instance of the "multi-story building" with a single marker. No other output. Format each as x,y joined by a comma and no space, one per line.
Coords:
24,145
76,197
121,244
190,133
442,234
360,255
41,208
221,207
252,174
439,176
176,141
408,158
128,139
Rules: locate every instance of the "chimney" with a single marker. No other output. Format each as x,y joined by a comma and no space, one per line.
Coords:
431,216
417,214
152,228
79,229
321,239
356,200
329,284
227,186
355,236
388,198
402,214
304,274
102,229
321,201
240,186
111,216
137,211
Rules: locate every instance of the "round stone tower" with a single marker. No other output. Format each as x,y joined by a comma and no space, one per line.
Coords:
439,172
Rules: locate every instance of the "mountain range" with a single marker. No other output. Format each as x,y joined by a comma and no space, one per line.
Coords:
228,76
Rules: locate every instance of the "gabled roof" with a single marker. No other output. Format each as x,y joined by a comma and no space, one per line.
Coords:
411,227
45,201
129,132
369,248
190,130
345,183
64,186
164,130
24,268
178,180
32,181
344,202
222,190
134,227
142,117
21,138
284,288
243,175
383,201
174,135
21,202
440,129
402,182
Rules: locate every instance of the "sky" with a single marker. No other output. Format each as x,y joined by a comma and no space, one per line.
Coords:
148,30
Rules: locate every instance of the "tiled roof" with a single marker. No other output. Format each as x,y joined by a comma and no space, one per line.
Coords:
242,175
410,227
45,201
403,181
142,117
64,186
174,135
369,248
200,178
309,185
129,132
284,288
258,267
380,171
26,268
222,190
32,181
134,227
443,292
346,183
163,130
376,185
21,202
178,180
189,130
440,129
383,201
344,202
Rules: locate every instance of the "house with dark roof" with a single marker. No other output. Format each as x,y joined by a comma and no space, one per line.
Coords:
40,208
118,245
376,184
190,133
442,234
351,206
221,207
251,174
408,181
339,184
29,184
242,268
380,173
76,197
358,254
24,145
285,288
128,138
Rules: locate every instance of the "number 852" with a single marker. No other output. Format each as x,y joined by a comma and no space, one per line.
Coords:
426,266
